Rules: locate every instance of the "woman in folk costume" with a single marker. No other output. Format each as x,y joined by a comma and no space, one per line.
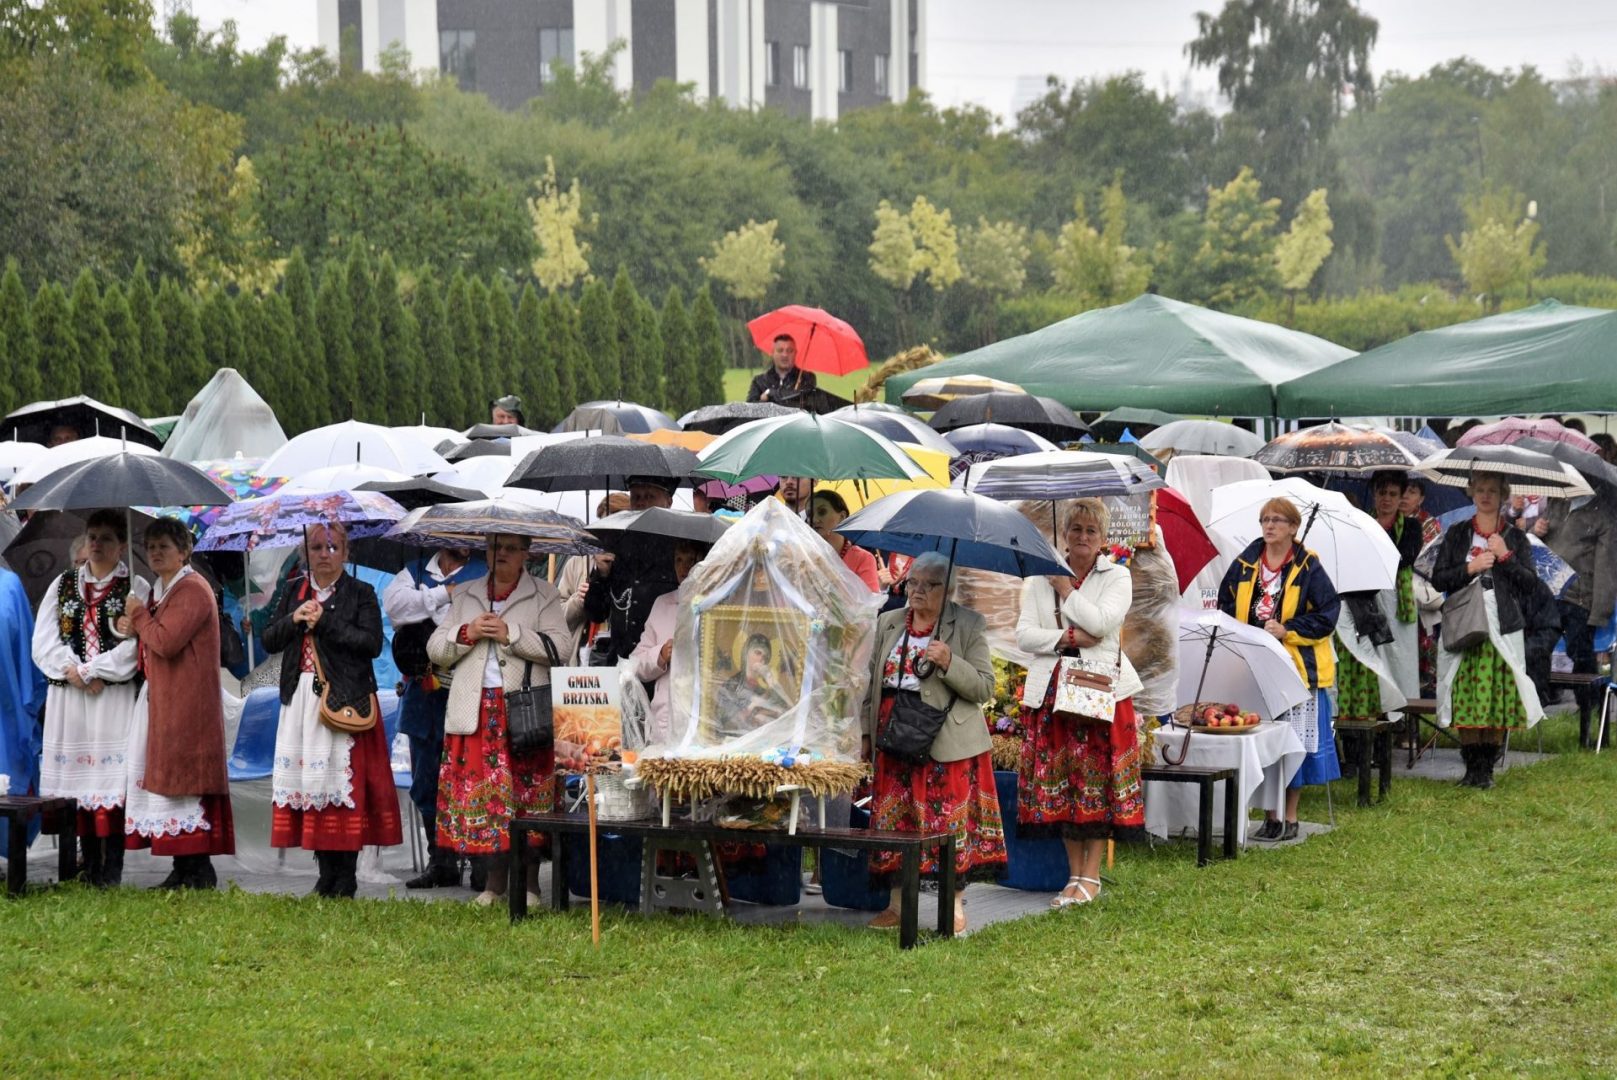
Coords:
179,788
332,792
1377,655
1279,585
1079,779
1485,690
92,692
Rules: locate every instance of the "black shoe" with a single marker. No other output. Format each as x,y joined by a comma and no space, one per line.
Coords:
479,875
442,872
92,850
176,875
346,882
1289,832
328,873
1468,754
1485,763
200,874
1269,830
112,863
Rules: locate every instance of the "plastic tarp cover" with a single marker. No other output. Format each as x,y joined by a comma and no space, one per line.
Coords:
772,648
1550,357
1151,352
227,418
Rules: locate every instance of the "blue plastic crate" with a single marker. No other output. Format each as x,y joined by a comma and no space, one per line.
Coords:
1031,865
619,874
779,881
846,878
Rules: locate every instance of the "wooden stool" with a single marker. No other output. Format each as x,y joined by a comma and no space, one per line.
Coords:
60,816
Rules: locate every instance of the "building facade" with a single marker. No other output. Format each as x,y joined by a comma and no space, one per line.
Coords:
813,58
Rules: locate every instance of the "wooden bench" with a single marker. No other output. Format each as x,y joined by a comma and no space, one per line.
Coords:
1374,738
1588,685
1204,778
680,832
60,816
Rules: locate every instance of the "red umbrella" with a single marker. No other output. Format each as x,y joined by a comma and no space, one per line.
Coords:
1506,431
824,342
1184,536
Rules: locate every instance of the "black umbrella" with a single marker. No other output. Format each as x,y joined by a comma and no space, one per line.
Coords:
421,491
43,549
1594,468
717,419
123,480
600,464
659,522
479,448
85,415
972,530
1040,415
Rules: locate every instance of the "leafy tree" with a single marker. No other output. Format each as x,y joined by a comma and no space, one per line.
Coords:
208,67
1235,261
937,246
1305,247
480,365
535,372
282,390
334,315
95,346
256,364
1096,266
439,394
222,340
636,375
557,220
366,336
1500,248
709,341
747,261
56,340
648,345
682,392
309,397
465,334
599,375
993,264
146,384
123,350
17,344
187,361
401,349
892,247
563,352
503,373
108,36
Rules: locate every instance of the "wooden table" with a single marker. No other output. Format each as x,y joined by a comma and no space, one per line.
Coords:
1374,738
1205,779
909,845
1588,686
60,816
1264,760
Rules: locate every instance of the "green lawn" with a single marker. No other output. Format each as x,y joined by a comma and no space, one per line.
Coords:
736,380
1450,932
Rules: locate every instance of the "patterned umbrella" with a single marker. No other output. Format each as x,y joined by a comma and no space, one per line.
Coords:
280,520
1529,472
717,419
1506,431
1334,447
1422,443
472,522
1060,474
937,392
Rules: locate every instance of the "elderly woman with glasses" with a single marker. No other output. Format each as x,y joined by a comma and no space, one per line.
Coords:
937,652
1079,778
1280,586
332,792
500,630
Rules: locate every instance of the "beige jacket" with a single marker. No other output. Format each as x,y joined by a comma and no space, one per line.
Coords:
533,608
1099,606
970,678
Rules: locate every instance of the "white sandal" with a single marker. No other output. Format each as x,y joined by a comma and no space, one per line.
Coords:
1062,900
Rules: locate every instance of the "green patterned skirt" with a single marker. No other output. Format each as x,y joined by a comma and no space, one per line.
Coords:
1484,691
1358,689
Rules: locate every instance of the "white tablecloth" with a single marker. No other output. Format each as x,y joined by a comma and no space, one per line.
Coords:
1265,761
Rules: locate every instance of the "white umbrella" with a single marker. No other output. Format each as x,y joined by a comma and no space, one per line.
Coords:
352,442
1354,550
15,456
1203,437
428,435
1221,659
71,453
342,478
485,474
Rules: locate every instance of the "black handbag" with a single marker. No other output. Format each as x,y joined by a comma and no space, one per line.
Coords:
410,648
912,725
529,725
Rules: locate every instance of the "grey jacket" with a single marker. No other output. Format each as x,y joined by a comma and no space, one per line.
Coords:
970,678
534,608
1583,537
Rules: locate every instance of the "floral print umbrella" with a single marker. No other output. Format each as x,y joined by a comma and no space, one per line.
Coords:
280,520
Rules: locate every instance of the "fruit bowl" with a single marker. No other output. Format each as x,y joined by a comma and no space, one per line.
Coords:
1217,718
1226,729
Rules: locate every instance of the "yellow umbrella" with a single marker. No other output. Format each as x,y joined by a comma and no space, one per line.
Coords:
936,392
694,441
858,493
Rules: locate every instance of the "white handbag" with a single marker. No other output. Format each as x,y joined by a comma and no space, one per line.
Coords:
1085,689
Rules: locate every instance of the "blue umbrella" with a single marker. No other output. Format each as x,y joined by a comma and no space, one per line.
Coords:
997,440
973,530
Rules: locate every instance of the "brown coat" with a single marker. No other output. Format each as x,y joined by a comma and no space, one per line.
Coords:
185,747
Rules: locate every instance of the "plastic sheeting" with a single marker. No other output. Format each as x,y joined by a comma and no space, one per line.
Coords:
226,419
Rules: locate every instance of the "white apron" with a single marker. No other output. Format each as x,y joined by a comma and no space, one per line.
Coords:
147,813
1511,646
312,769
1381,660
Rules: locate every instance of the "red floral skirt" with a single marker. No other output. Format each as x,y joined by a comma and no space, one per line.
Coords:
373,820
938,796
219,838
1080,781
482,784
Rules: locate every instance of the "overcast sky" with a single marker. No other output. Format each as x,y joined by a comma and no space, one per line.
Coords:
997,52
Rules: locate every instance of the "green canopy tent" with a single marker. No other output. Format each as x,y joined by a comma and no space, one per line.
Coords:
1548,358
1151,352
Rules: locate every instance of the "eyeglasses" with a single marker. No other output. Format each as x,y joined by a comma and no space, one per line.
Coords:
1271,520
916,585
329,549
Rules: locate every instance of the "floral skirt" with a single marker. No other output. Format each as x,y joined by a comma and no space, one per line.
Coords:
1358,689
1484,691
482,785
1080,781
372,820
938,796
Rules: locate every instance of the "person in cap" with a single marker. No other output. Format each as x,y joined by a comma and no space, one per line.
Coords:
506,410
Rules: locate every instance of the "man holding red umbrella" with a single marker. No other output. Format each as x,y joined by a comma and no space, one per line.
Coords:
783,382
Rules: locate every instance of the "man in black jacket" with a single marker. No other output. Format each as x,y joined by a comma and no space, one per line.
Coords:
622,588
783,382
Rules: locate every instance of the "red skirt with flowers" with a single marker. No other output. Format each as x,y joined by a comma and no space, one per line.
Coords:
219,838
939,796
1080,781
373,820
482,785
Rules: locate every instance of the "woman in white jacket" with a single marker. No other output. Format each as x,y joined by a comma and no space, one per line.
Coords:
1079,779
495,628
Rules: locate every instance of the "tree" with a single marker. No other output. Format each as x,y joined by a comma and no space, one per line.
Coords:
335,318
365,335
480,367
229,246
563,350
58,345
937,247
466,337
599,375
536,377
222,341
438,395
95,346
637,379
282,355
892,248
109,36
186,361
557,220
146,385
709,342
1304,249
648,338
257,363
503,373
123,350
1235,261
1500,248
401,349
1096,266
993,265
23,384
682,392
747,260
312,399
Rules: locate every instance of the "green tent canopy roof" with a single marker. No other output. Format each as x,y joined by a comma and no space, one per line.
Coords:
1548,358
1151,352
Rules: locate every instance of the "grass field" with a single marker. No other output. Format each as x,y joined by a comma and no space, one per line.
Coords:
1447,933
737,379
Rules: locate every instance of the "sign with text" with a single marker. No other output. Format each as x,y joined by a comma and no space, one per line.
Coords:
586,704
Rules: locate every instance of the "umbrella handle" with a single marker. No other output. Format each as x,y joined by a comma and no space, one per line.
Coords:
1201,681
